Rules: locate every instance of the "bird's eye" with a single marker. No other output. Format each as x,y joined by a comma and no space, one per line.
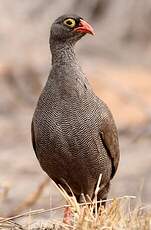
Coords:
70,22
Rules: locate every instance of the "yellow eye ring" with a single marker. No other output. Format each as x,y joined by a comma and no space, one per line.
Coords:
70,22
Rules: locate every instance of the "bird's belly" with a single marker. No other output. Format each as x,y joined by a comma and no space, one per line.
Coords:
68,170
71,157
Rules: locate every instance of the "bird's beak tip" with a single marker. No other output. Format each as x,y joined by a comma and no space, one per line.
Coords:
93,33
85,27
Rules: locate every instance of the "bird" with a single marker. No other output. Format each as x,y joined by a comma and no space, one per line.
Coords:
74,135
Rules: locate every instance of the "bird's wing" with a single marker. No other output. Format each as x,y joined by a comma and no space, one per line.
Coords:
33,138
109,137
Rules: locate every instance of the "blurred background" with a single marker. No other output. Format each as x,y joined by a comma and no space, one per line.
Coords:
117,62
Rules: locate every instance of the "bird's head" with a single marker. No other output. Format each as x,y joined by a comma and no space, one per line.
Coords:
69,28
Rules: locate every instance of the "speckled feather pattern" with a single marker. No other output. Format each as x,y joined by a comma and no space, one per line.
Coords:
73,132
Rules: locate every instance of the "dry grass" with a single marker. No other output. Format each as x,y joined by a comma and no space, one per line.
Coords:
118,214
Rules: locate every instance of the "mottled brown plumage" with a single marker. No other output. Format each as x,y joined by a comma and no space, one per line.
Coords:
73,132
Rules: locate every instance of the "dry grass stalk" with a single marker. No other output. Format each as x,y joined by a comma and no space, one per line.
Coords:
96,194
117,215
4,190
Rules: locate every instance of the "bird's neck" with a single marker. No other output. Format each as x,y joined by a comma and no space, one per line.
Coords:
63,54
66,72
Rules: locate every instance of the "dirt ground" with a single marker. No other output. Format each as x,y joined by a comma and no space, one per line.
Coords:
127,91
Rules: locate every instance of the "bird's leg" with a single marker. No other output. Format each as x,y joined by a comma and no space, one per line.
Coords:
67,215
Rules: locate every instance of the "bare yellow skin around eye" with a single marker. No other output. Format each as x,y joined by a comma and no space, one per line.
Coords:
70,22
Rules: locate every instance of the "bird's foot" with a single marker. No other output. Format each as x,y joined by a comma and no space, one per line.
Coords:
67,216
